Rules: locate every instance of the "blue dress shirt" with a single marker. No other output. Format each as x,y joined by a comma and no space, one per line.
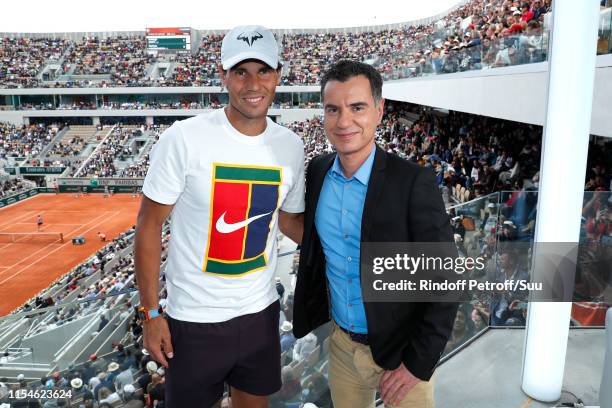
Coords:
338,222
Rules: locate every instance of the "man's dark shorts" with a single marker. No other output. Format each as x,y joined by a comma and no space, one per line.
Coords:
244,352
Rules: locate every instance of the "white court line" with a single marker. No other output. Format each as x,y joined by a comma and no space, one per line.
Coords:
52,243
77,211
21,218
51,252
51,223
21,201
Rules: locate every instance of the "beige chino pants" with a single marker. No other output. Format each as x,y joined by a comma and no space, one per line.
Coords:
354,377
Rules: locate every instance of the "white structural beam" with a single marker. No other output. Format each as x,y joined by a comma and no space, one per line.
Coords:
562,172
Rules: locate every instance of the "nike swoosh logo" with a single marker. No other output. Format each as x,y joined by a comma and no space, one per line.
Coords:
225,228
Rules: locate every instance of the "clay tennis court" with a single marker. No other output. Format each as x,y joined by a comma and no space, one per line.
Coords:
31,263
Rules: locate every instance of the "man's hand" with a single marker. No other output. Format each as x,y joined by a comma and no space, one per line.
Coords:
395,384
156,340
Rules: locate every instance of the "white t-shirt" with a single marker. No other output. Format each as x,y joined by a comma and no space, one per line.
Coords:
225,268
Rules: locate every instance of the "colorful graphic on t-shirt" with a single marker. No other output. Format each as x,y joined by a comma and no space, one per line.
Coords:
244,199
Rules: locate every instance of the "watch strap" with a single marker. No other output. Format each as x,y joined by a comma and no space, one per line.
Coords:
148,314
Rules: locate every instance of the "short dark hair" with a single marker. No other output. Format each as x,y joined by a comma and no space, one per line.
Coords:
344,70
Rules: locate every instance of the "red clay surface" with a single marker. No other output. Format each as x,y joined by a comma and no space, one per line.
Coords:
26,268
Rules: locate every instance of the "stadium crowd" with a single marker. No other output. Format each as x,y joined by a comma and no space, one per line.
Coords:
479,34
22,59
13,186
122,58
115,146
479,153
140,167
25,141
151,105
126,374
128,377
69,148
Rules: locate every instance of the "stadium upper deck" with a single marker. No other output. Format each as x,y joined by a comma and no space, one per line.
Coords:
476,35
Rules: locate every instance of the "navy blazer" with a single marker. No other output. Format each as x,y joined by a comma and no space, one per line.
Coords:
402,204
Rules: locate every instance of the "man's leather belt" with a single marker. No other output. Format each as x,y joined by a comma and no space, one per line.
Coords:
360,338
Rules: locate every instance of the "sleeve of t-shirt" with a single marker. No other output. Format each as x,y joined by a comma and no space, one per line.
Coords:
165,179
294,202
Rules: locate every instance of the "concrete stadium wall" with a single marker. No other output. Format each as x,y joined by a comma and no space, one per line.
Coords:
513,93
30,116
13,117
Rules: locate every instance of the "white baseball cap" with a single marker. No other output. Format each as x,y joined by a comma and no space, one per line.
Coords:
246,42
151,367
76,383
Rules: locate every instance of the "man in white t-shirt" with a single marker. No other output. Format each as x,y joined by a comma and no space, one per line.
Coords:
230,179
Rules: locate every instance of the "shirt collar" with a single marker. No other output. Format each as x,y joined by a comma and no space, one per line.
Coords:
363,173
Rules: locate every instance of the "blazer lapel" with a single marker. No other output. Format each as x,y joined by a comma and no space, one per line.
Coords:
375,185
318,177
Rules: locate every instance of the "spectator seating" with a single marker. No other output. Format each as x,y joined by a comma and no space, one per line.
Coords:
474,36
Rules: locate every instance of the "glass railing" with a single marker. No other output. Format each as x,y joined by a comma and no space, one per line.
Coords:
82,339
446,58
473,226
604,35
501,228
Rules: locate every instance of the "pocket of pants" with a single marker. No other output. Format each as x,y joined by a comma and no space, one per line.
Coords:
367,369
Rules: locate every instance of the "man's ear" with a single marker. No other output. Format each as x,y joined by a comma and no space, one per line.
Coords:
223,74
279,72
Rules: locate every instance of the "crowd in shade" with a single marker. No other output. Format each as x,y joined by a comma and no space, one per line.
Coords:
127,377
479,34
117,145
103,287
313,136
67,148
151,105
24,140
12,186
183,104
139,168
599,167
479,153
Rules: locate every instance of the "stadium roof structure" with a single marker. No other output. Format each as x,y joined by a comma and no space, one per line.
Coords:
117,15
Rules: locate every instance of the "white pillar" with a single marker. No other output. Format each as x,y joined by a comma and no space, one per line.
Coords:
562,172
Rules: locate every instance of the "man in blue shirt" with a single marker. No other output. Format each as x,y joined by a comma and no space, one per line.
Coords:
362,194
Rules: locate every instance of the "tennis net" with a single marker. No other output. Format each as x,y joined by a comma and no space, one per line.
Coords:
31,237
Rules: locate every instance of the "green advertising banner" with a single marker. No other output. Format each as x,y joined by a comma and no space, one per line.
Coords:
81,185
31,171
97,189
99,182
41,170
18,197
